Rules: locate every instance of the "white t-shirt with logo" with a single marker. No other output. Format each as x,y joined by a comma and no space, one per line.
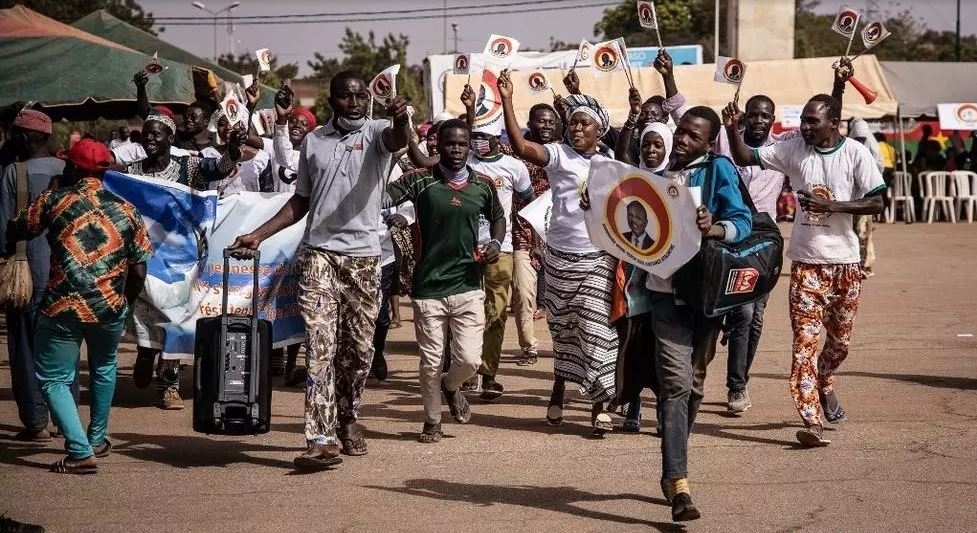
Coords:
129,153
508,174
567,171
844,173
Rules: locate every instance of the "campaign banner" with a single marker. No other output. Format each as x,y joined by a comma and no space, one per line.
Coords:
958,116
642,218
189,230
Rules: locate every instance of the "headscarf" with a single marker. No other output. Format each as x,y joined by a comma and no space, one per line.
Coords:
215,117
588,105
859,128
162,119
305,113
666,135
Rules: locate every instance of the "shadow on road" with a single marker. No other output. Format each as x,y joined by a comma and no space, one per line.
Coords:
556,499
942,382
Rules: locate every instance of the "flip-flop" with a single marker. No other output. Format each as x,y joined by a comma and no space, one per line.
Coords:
316,463
353,445
62,467
554,415
811,439
104,449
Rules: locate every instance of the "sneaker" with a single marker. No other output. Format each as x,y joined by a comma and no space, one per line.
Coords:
318,457
457,404
683,509
529,358
9,525
142,370
171,400
738,401
491,389
33,435
812,437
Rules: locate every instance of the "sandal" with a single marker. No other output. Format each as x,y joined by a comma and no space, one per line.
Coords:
554,415
836,415
602,425
812,437
67,465
104,449
431,434
353,446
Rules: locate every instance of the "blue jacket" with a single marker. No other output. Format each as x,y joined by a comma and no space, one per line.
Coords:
724,200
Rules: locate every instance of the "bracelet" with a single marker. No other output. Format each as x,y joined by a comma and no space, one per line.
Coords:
496,241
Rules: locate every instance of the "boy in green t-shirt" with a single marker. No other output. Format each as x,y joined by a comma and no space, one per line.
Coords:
448,277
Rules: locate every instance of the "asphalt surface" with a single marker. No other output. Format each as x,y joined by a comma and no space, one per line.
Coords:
905,461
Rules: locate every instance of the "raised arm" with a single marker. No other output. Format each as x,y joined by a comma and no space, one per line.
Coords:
843,71
742,154
623,146
468,98
526,150
141,78
397,136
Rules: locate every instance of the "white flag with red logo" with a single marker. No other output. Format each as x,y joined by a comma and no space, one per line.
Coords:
538,82
874,33
384,86
501,48
264,59
730,70
846,21
585,53
647,15
608,57
462,64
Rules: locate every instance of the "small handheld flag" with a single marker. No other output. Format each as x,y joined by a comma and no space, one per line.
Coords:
264,59
384,86
845,23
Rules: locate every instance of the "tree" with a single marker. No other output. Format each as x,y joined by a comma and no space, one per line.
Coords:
368,58
248,64
680,22
70,11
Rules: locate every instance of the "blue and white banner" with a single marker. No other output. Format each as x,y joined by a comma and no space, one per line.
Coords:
189,230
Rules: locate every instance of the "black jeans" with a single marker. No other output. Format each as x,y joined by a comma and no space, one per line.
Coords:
745,324
388,275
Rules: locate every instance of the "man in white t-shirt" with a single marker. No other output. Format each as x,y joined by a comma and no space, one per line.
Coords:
509,175
835,178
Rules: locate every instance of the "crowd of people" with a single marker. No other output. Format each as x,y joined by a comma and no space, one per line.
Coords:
430,213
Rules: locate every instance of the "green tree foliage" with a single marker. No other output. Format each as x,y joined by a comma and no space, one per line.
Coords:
364,55
68,11
691,22
248,64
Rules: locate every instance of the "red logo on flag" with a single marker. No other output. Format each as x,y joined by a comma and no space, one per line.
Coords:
733,70
644,14
461,64
847,20
873,32
605,58
635,189
501,47
967,113
537,81
382,86
742,280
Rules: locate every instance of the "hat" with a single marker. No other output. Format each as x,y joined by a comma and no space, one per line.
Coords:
493,128
31,119
442,116
309,117
88,154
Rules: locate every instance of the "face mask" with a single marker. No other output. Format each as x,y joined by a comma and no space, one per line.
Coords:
347,124
481,146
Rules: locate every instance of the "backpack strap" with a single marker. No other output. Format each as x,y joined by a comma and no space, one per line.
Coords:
20,170
707,184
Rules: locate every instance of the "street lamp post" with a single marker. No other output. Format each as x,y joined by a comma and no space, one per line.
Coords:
454,29
200,5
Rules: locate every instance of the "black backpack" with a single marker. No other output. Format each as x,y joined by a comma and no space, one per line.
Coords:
723,276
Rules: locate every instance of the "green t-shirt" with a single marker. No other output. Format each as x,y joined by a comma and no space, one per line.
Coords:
448,221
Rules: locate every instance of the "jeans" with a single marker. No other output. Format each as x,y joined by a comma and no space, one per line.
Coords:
685,346
388,275
745,325
58,349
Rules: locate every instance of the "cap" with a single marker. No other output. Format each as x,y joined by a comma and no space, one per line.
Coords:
88,154
493,128
34,120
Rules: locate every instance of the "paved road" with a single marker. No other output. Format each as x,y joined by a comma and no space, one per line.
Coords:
905,461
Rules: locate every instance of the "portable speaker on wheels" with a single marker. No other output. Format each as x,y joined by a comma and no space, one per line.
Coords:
232,368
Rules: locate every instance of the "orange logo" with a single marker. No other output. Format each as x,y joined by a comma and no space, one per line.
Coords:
644,14
606,58
636,188
382,86
461,64
537,81
967,113
733,71
501,47
847,20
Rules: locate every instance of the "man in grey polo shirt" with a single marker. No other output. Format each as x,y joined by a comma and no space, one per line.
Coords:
341,175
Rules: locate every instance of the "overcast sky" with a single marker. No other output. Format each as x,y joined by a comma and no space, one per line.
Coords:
297,42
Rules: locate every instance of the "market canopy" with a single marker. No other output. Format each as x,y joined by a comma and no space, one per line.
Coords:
76,75
103,24
789,82
921,85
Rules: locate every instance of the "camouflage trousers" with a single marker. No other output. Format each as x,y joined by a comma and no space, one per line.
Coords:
339,297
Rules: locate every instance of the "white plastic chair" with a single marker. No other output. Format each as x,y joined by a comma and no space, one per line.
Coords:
938,194
965,193
901,192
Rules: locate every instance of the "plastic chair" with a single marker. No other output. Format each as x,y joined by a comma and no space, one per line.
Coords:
965,193
901,192
938,194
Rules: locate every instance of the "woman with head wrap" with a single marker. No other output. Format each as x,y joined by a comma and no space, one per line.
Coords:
858,129
579,276
158,131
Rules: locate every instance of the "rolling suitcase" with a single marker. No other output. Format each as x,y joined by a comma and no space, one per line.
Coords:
232,369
